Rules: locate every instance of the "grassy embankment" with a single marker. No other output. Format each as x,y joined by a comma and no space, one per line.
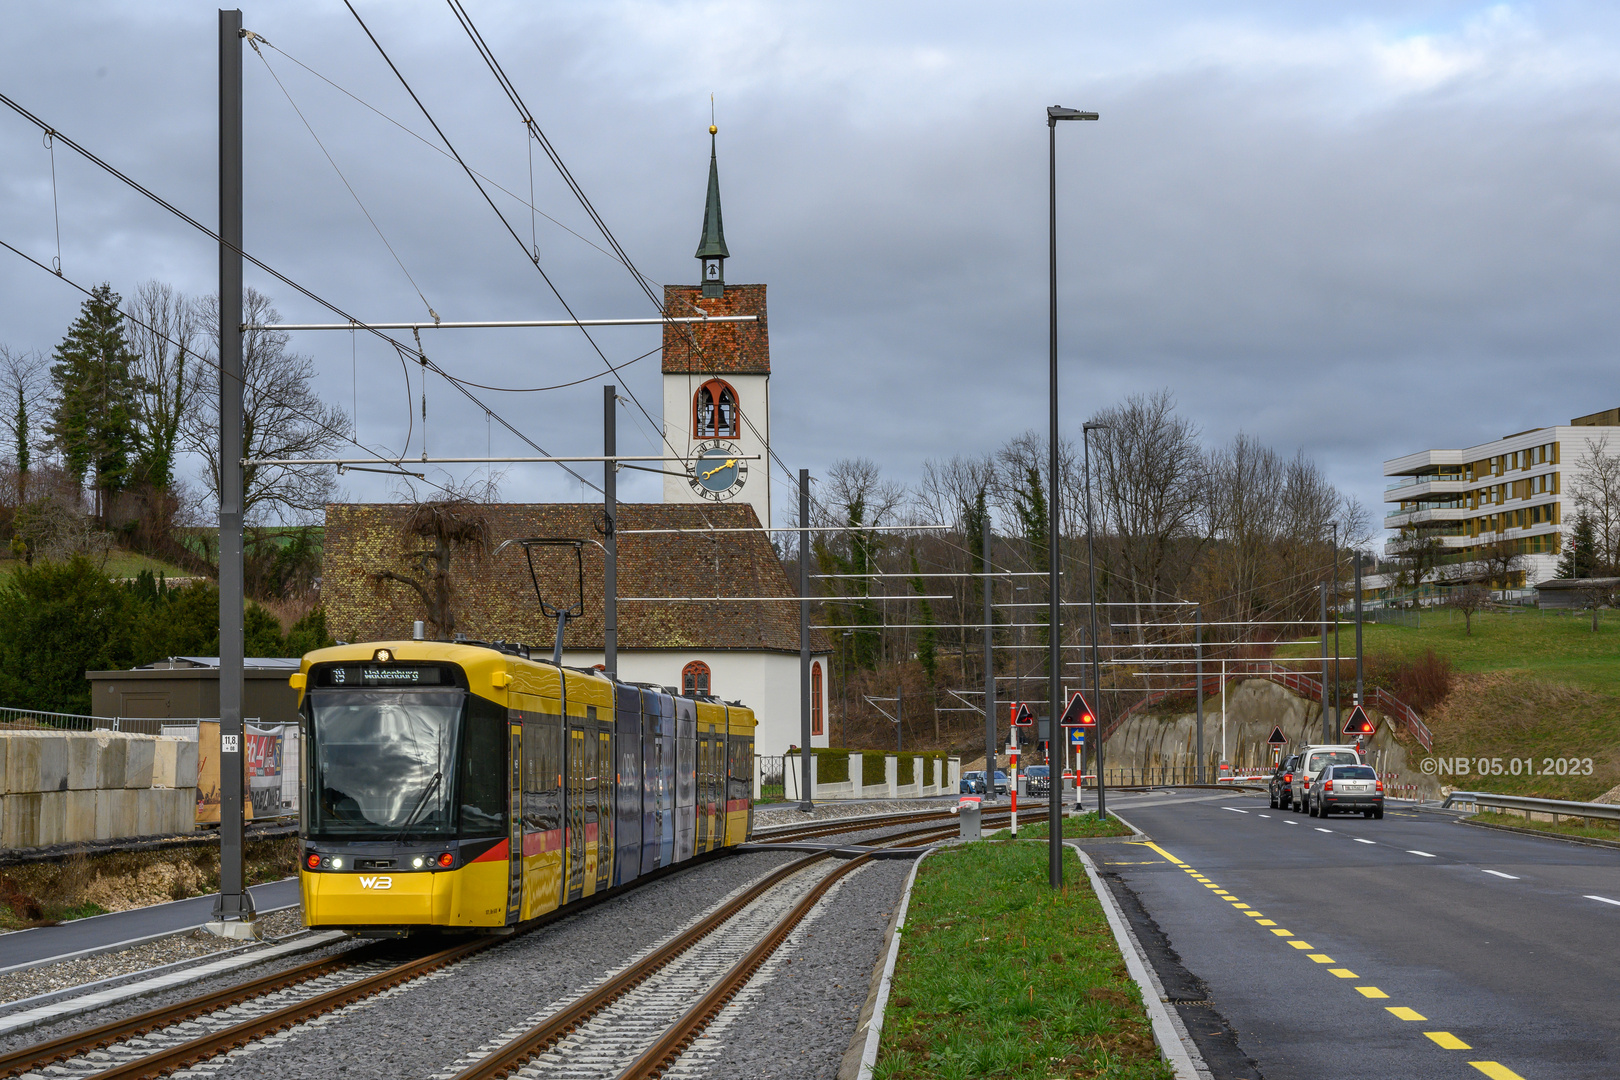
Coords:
1075,827
1000,976
1530,686
120,564
1591,830
42,893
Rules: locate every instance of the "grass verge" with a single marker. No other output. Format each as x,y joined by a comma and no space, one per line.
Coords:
998,976
1588,830
1075,827
45,893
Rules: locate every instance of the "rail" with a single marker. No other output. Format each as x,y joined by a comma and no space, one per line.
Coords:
1296,681
1484,800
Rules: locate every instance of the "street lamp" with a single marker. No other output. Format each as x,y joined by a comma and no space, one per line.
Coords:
1096,670
1054,791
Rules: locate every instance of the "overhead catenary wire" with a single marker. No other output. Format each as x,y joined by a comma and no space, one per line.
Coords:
119,175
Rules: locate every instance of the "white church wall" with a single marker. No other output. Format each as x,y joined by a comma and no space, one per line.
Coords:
767,682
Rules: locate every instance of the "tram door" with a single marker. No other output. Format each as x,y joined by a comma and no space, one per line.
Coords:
575,834
514,823
604,808
702,843
685,776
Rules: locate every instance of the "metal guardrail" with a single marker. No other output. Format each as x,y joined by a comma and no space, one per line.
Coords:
1486,800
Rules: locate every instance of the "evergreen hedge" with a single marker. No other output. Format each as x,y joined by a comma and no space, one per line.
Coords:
907,773
832,766
873,770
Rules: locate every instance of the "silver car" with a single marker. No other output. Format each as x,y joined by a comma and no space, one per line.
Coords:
1347,788
1312,760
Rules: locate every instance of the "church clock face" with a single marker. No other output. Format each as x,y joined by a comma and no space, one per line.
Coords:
717,471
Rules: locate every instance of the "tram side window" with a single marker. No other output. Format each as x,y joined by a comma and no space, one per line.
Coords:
482,782
741,770
542,775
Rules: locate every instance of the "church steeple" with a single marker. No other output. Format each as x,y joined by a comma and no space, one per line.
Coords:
712,244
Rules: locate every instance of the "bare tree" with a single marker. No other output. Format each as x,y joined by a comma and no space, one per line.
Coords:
24,383
1597,494
1468,599
431,536
162,331
282,418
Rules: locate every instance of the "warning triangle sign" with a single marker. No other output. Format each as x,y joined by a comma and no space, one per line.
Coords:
1277,737
1022,717
1358,724
1078,714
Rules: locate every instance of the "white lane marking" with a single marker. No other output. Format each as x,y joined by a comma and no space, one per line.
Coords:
1425,854
1320,829
1286,822
1234,810
1359,840
1499,874
1265,815
1604,900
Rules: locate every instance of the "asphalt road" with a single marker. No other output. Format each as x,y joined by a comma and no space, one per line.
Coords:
1412,947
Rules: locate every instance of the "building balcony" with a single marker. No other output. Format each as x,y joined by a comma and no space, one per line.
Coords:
1402,518
1417,487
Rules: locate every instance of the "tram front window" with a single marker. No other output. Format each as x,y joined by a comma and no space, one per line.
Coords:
381,763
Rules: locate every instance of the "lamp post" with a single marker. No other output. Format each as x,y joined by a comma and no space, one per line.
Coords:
1054,803
1091,572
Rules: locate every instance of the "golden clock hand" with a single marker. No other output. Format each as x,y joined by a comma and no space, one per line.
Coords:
719,468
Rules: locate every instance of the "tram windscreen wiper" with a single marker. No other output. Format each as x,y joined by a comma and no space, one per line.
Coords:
433,785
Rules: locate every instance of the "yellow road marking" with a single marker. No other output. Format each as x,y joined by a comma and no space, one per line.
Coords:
1210,885
1268,922
1371,992
1240,907
1283,933
1302,945
1447,1041
1343,973
1321,958
1403,1013
1496,1071
1161,851
1253,915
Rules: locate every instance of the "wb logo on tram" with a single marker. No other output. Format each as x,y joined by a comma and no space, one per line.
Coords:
376,882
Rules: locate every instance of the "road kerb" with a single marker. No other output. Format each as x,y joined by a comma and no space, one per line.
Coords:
1168,1030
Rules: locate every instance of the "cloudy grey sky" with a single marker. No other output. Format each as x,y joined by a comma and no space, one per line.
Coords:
1360,230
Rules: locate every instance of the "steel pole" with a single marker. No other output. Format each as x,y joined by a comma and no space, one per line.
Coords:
989,674
1054,812
610,542
1198,694
1096,667
900,719
1338,707
234,904
806,802
1358,629
1327,731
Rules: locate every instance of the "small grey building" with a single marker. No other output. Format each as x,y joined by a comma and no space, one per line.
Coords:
187,687
1575,593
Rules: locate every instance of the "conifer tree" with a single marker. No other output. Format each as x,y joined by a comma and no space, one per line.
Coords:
93,419
1580,551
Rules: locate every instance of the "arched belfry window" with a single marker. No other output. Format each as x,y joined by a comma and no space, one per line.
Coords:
695,679
714,411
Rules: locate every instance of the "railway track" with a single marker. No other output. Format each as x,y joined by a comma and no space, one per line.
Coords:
637,1022
159,1041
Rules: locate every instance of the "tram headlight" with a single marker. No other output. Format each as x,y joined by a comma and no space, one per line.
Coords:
337,862
418,862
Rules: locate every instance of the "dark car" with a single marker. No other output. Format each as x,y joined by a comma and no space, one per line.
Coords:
1347,789
1282,783
1038,781
972,784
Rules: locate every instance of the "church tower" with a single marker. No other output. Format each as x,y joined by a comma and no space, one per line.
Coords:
717,378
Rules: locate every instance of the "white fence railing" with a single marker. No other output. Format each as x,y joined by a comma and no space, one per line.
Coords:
1524,804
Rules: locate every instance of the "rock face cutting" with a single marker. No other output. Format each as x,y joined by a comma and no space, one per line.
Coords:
64,787
1151,747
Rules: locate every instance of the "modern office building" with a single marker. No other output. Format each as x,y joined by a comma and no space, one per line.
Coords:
1518,489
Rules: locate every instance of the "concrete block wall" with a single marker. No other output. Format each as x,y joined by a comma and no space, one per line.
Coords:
65,787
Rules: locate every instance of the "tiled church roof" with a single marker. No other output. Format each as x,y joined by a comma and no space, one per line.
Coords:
716,348
495,598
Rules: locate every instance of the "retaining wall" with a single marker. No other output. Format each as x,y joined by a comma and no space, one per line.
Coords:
64,787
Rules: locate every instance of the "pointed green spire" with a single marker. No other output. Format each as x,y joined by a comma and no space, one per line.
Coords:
712,245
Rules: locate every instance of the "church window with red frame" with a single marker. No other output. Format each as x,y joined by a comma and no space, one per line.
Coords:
815,698
714,411
695,679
